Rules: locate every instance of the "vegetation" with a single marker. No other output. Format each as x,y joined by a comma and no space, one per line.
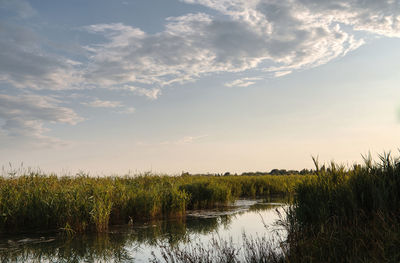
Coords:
347,215
83,203
339,215
121,243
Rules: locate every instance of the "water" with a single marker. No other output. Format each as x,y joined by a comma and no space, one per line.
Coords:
136,243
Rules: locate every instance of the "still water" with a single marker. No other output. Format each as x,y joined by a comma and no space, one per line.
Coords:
136,243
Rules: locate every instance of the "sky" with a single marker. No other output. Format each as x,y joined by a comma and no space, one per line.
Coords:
203,86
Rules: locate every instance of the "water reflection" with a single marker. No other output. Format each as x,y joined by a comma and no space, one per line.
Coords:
135,243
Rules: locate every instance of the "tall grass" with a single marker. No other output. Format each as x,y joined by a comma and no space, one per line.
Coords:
340,215
83,203
348,215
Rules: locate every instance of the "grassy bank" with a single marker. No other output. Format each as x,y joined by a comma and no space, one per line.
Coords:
83,203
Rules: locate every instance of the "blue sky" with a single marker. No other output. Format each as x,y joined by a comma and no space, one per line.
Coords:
197,85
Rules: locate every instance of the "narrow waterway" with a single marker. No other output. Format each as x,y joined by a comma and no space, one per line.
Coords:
255,218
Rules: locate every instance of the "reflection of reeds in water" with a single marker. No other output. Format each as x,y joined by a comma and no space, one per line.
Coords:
118,243
252,250
96,248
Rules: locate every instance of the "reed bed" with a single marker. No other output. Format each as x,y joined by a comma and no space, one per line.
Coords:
347,215
339,215
77,204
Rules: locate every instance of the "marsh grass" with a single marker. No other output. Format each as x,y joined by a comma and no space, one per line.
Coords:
339,215
347,215
36,201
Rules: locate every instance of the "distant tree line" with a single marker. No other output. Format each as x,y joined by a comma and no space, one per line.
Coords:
272,172
281,172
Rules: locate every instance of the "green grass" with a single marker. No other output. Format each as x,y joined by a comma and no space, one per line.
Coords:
339,215
82,203
347,215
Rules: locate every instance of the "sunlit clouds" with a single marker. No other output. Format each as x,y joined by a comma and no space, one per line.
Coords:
113,72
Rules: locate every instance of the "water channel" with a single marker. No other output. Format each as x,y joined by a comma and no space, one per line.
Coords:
135,243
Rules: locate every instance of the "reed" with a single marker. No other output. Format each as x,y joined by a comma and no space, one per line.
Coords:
347,215
81,203
339,215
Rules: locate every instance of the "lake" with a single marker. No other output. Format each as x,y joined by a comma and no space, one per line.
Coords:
136,242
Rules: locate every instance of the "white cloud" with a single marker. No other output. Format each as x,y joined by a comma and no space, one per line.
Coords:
24,116
151,94
243,82
273,36
378,17
276,36
103,104
122,109
282,73
269,35
24,63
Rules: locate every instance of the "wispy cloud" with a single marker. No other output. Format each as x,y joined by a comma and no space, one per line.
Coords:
20,7
117,105
282,73
243,82
25,64
279,36
127,110
25,115
185,140
284,35
151,94
274,36
103,104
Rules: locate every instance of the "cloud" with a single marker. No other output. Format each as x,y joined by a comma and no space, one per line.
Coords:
25,64
243,82
127,110
151,94
24,116
20,7
277,36
282,73
108,104
185,140
97,103
103,104
377,17
274,36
